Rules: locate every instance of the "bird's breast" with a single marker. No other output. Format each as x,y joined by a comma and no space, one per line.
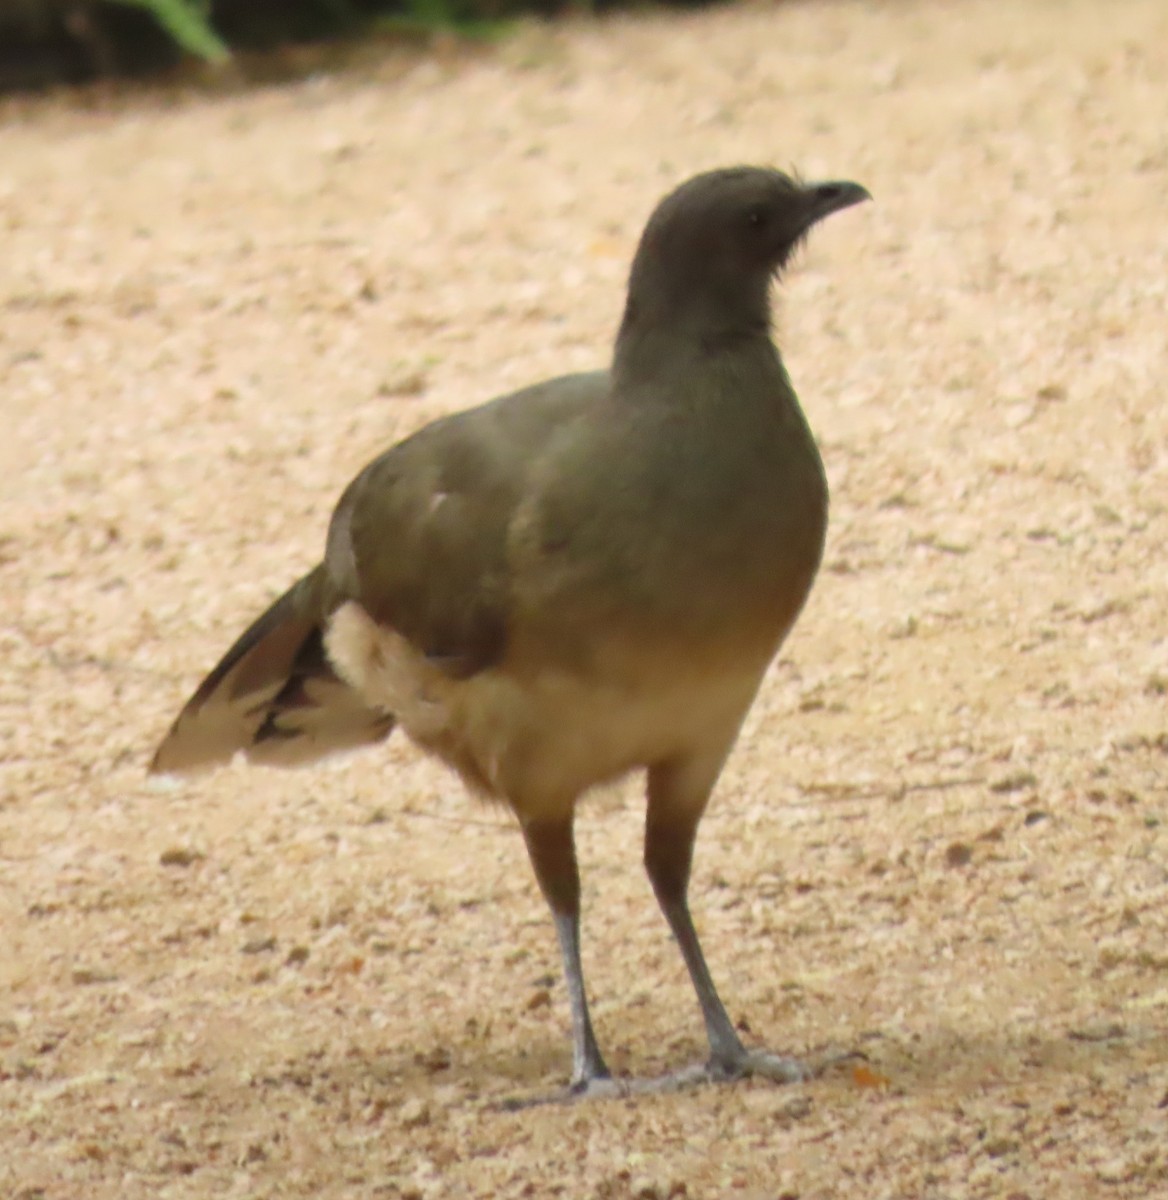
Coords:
698,538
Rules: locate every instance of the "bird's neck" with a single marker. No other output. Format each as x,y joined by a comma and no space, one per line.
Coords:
670,328
658,350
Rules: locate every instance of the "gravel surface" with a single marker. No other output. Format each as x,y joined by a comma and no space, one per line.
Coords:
942,838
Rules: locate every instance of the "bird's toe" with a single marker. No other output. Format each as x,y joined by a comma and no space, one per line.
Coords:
780,1068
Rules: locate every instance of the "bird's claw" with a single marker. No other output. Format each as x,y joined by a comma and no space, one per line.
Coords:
759,1063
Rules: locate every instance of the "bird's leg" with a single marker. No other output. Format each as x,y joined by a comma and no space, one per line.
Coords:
553,855
677,799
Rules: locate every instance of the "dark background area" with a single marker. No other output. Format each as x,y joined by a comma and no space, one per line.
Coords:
48,42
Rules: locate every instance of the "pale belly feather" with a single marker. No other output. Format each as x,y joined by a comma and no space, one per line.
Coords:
539,739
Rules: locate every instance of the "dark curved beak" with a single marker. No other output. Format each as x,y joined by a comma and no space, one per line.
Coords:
832,196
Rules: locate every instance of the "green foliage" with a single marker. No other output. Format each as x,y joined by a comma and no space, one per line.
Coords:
43,42
433,16
187,21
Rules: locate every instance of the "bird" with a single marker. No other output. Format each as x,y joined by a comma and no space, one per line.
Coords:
578,580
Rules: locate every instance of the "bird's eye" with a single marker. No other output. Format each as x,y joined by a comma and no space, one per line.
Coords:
756,218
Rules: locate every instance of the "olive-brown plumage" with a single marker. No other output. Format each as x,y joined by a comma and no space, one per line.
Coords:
580,579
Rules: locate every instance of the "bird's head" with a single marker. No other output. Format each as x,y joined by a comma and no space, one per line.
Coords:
713,245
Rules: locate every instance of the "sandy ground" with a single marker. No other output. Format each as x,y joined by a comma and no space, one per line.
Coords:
942,838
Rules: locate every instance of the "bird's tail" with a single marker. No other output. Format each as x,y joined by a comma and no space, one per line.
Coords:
274,696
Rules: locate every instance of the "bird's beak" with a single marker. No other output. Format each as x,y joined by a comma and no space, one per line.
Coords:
823,199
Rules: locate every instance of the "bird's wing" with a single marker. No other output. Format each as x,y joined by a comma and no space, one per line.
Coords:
420,537
420,541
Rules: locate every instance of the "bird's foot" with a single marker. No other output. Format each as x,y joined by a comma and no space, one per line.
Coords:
744,1064
596,1087
741,1066
599,1087
780,1068
760,1064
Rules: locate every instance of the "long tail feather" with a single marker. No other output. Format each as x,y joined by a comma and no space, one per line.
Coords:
274,696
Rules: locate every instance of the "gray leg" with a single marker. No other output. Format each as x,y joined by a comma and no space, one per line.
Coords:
553,855
677,799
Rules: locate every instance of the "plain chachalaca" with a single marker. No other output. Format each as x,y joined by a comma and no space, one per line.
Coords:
582,578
